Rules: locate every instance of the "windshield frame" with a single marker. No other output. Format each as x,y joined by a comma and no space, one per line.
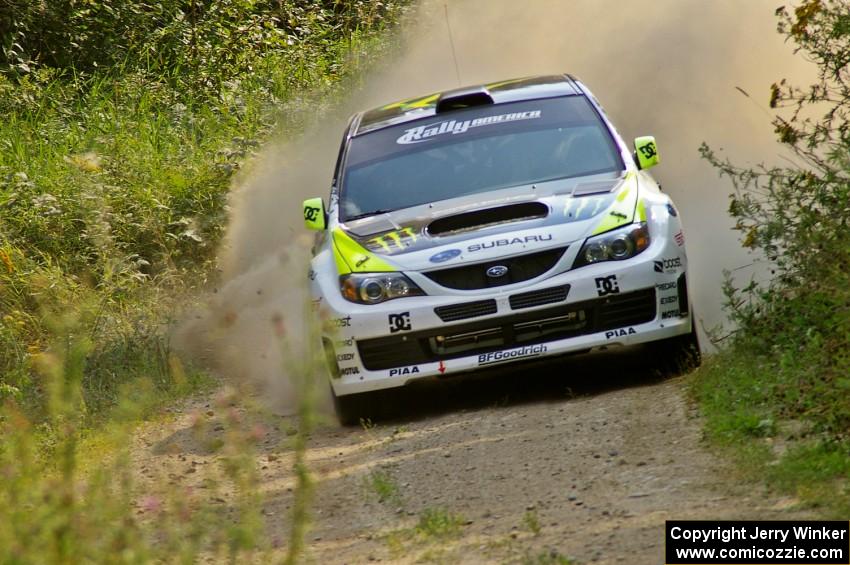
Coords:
620,165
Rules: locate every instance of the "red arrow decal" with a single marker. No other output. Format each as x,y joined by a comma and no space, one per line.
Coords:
442,368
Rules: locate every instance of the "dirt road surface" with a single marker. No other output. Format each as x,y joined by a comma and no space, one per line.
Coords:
579,461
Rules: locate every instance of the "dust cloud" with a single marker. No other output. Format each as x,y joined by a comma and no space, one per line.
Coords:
667,68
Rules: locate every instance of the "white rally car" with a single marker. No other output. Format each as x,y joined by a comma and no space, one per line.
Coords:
490,225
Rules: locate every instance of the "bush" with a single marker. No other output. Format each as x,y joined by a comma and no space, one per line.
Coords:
124,122
202,42
797,217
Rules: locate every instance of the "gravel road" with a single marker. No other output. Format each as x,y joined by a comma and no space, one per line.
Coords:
580,461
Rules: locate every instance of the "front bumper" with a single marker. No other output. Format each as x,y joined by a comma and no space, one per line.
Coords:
383,346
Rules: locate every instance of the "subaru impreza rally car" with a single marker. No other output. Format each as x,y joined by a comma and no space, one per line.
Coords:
491,225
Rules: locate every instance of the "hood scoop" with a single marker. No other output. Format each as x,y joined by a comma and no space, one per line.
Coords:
598,187
372,225
478,219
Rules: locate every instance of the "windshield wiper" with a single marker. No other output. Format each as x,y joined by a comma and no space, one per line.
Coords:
366,214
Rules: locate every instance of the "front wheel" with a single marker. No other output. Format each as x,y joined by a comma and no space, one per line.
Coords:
678,355
354,409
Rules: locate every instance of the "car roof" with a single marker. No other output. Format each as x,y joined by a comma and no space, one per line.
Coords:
514,90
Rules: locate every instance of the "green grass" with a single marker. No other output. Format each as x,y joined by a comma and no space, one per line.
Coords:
382,485
546,557
78,498
746,419
531,522
434,526
776,397
438,523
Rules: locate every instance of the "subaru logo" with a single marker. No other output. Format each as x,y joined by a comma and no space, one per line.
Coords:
445,255
497,271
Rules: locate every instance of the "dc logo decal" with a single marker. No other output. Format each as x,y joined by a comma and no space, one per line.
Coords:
659,266
607,285
399,322
311,213
649,151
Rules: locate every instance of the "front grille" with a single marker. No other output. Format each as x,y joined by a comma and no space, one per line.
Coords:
539,297
463,311
622,310
386,353
520,268
526,328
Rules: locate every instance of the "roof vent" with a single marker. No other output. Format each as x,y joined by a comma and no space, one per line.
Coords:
463,98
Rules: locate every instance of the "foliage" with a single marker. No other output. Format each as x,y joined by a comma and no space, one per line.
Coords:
70,509
438,523
547,557
123,123
383,486
741,413
531,522
194,42
433,530
788,363
798,217
309,373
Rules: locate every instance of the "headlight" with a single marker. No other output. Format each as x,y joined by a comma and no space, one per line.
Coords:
372,288
615,245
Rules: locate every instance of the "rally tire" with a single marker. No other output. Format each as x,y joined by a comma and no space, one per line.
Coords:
678,355
355,409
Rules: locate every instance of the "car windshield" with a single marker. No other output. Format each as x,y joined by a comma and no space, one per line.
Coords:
473,151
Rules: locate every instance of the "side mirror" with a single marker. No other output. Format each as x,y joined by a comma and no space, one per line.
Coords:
315,216
646,152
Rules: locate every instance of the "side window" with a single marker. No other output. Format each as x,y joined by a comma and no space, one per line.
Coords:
340,156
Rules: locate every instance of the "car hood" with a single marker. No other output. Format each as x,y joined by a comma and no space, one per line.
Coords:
499,223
